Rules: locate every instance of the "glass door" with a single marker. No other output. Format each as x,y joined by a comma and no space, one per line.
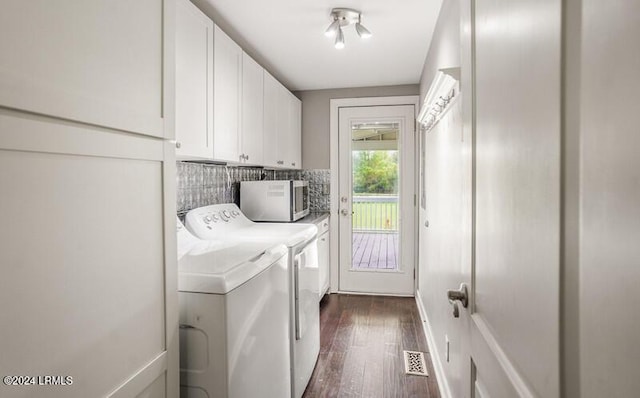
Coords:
377,151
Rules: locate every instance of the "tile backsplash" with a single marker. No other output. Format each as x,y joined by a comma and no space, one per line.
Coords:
200,184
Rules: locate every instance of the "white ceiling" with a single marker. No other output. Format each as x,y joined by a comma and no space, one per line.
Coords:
287,38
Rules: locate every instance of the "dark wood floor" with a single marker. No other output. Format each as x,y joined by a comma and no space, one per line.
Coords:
361,344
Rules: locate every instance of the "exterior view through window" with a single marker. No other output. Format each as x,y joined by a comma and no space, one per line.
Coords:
375,193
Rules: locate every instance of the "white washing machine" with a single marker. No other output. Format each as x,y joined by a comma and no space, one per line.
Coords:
234,318
226,222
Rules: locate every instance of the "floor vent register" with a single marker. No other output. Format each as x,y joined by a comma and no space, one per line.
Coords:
414,363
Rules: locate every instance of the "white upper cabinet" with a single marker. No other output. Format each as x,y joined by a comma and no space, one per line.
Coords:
194,82
289,130
283,116
272,88
98,62
252,111
228,108
282,123
227,90
294,148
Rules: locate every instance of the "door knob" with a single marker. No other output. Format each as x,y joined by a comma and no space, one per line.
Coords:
343,199
461,295
344,212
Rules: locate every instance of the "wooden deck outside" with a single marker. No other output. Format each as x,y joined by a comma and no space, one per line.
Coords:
375,250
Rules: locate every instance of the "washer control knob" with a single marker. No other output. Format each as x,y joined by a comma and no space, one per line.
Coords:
206,219
226,213
215,217
235,213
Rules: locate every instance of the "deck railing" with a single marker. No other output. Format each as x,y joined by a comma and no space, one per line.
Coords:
375,213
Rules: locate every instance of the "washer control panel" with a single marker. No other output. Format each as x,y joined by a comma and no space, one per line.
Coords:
215,218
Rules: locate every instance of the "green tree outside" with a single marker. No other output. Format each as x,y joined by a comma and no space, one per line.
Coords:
375,172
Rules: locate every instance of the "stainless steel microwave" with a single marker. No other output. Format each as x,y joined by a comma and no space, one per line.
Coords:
279,201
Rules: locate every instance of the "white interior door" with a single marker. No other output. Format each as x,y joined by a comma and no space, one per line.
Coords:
377,199
511,166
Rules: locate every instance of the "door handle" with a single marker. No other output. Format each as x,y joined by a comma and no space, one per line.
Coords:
460,295
343,199
344,212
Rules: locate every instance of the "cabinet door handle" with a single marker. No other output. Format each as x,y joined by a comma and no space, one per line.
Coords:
178,144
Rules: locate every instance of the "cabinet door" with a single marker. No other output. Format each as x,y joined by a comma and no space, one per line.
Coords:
194,82
103,275
270,121
295,133
323,262
289,130
284,125
227,86
98,62
252,110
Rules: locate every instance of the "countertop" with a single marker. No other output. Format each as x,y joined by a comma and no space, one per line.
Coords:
314,217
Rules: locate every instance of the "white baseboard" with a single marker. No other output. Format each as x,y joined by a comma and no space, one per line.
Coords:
445,390
373,294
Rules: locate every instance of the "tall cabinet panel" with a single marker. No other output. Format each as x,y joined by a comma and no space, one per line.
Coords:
252,111
227,89
79,60
88,246
194,82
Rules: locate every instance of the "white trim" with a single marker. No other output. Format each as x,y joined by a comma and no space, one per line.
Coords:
441,379
35,133
334,105
142,379
386,145
171,307
373,294
519,383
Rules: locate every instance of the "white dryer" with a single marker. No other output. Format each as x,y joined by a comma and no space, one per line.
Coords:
234,319
225,222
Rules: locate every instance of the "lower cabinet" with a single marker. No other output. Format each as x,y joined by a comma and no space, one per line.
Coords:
323,255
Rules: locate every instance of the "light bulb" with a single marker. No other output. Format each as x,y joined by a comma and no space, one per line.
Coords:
340,39
362,31
333,28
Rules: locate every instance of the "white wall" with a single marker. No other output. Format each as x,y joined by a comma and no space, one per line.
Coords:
444,51
435,275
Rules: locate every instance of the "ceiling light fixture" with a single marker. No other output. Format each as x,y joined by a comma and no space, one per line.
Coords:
344,17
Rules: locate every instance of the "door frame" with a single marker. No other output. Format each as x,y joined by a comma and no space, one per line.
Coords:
335,105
